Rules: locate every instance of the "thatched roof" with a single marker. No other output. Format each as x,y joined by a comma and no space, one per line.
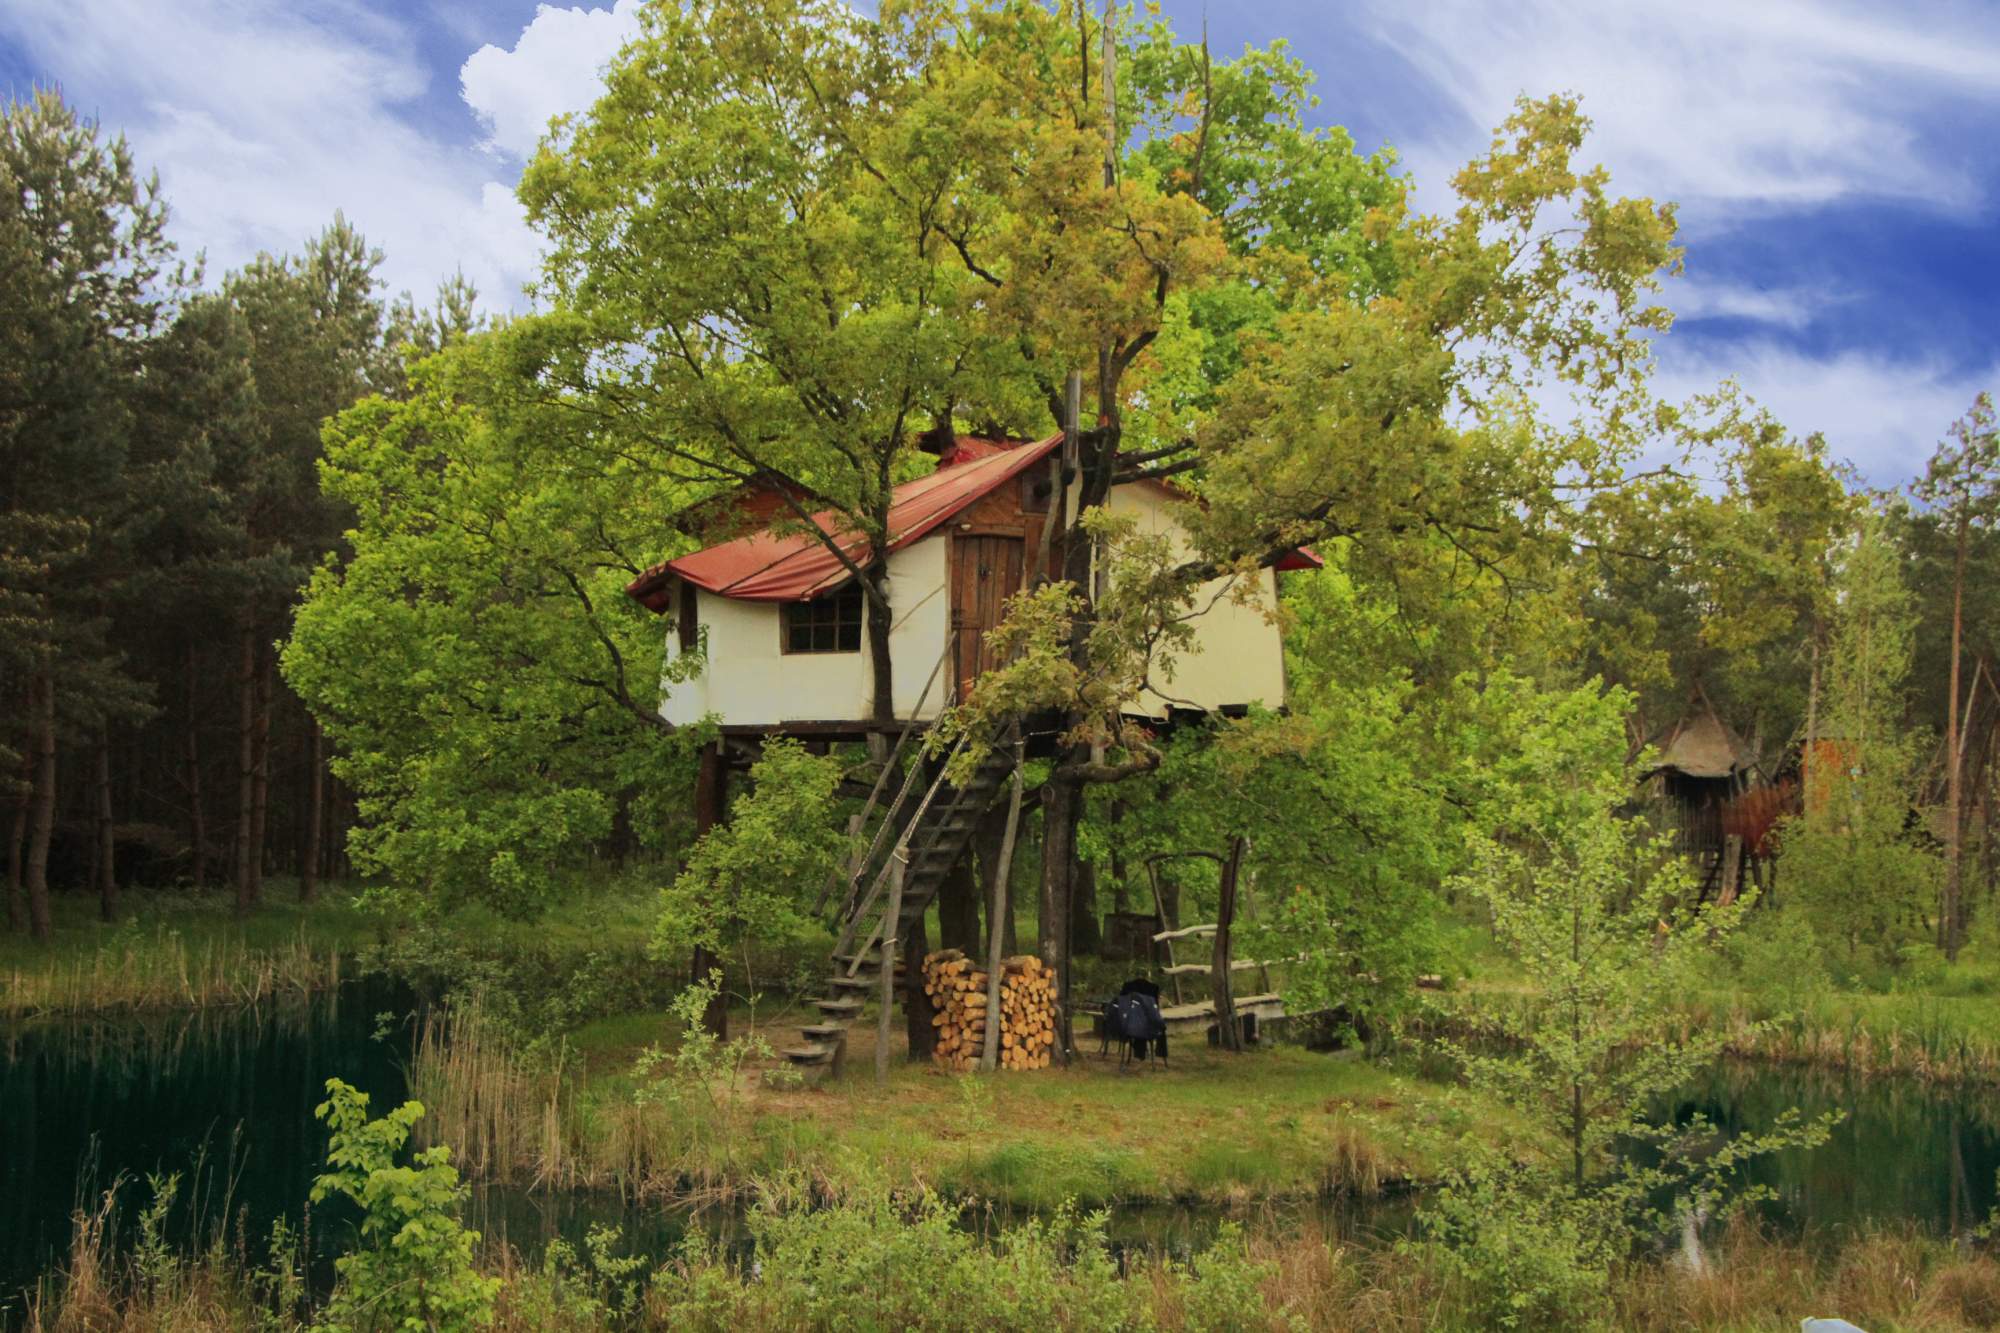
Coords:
1701,745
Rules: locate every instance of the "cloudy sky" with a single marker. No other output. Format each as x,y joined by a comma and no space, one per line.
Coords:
1836,164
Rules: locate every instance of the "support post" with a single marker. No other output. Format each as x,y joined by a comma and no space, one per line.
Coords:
989,1054
890,932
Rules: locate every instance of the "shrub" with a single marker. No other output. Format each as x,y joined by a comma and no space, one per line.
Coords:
413,1266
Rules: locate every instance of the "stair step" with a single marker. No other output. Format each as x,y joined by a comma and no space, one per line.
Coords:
839,1008
867,983
822,1032
809,1055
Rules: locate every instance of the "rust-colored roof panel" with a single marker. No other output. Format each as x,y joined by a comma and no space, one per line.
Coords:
797,566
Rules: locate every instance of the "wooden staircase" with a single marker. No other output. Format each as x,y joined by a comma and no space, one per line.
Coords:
926,840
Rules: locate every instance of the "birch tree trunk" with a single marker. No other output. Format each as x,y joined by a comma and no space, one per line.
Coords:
711,793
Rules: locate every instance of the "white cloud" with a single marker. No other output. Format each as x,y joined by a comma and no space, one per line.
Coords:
262,123
1880,413
1729,106
556,66
1790,307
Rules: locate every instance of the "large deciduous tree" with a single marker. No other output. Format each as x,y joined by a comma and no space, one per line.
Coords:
491,691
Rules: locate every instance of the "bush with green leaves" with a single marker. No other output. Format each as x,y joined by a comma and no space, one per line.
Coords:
700,1081
754,875
1604,925
413,1265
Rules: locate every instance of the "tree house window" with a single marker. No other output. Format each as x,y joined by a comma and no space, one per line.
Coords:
829,624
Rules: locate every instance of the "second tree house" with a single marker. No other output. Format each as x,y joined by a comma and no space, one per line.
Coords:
784,624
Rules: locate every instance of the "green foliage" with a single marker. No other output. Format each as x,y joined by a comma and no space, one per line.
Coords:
413,1266
1605,928
492,690
755,874
1527,1256
1345,844
700,1080
871,1261
1851,859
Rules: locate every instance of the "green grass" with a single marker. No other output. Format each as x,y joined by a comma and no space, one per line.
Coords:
1280,1122
179,950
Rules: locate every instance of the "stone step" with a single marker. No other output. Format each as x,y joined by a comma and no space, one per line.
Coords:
867,982
824,1032
843,1008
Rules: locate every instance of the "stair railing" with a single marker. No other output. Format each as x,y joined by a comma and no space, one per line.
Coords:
860,868
900,852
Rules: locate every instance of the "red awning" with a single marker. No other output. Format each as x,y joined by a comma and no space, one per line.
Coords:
794,567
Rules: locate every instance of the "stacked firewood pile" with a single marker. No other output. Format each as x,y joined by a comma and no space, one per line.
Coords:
1027,1011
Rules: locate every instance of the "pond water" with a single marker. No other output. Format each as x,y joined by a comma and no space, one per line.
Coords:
227,1098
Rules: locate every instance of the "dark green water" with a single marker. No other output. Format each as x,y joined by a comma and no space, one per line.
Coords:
227,1100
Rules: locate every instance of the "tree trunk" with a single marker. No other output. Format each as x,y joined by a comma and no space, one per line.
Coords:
1086,928
197,817
711,794
1062,807
42,825
17,837
1228,1032
260,791
1120,891
246,766
987,837
315,815
107,841
881,668
1953,860
917,1006
958,908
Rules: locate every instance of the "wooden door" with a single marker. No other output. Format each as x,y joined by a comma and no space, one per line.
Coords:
986,571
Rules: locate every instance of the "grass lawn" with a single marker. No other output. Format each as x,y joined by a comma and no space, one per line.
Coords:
1279,1122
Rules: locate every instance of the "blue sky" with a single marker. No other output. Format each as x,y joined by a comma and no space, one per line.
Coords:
1836,165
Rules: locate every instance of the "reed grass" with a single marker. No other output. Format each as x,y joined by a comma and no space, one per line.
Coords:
165,970
1933,1038
181,950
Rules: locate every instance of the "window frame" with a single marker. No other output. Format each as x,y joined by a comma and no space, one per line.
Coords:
832,617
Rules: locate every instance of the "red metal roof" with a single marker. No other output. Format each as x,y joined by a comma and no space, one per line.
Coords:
797,566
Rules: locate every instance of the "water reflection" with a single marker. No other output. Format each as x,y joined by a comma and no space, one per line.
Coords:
1905,1151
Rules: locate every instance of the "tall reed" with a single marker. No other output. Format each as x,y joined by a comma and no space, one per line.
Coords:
163,971
506,1117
